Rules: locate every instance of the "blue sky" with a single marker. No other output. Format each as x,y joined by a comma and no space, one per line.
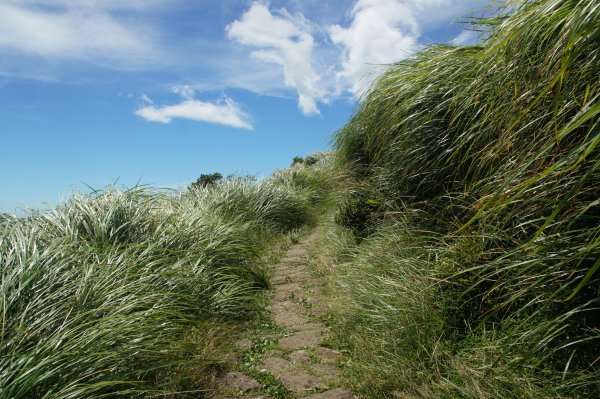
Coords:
160,91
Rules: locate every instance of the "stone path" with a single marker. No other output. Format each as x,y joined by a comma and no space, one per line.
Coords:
297,364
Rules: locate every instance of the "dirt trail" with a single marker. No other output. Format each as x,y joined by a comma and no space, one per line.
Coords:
298,361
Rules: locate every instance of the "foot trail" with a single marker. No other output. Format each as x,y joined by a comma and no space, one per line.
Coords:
300,362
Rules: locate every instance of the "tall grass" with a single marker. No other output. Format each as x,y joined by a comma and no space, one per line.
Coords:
127,293
492,151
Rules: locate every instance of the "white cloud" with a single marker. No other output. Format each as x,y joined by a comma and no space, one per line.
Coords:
184,91
466,37
146,100
381,32
224,112
72,33
109,5
286,41
322,62
280,53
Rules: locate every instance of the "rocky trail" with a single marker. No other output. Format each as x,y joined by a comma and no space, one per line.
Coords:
291,360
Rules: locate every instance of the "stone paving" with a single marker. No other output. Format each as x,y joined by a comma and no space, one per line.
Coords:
299,362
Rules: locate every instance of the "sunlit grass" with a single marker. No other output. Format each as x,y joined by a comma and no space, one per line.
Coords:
490,154
127,292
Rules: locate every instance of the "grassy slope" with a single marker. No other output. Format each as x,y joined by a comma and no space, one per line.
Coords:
465,239
473,196
132,293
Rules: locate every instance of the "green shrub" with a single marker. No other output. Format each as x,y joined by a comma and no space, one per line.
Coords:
124,293
495,147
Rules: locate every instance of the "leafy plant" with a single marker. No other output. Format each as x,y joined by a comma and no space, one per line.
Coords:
492,150
125,293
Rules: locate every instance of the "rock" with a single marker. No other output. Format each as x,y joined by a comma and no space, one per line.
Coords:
326,354
317,327
275,364
234,380
287,291
300,340
328,371
300,357
278,280
289,318
337,393
298,381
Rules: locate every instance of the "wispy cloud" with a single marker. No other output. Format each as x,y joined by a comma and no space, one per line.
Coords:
223,112
284,40
268,50
466,37
111,5
55,32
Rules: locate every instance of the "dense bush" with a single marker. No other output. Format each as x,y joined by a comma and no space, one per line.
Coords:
492,149
124,293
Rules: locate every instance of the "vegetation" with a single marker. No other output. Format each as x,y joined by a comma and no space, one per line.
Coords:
469,230
463,240
134,292
207,180
309,160
297,160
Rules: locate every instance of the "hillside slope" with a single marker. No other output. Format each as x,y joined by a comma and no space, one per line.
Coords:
136,293
467,242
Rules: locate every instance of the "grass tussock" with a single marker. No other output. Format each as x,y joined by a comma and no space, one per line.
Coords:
475,198
129,293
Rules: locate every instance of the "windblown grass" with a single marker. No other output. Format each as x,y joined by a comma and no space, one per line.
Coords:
490,154
126,293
